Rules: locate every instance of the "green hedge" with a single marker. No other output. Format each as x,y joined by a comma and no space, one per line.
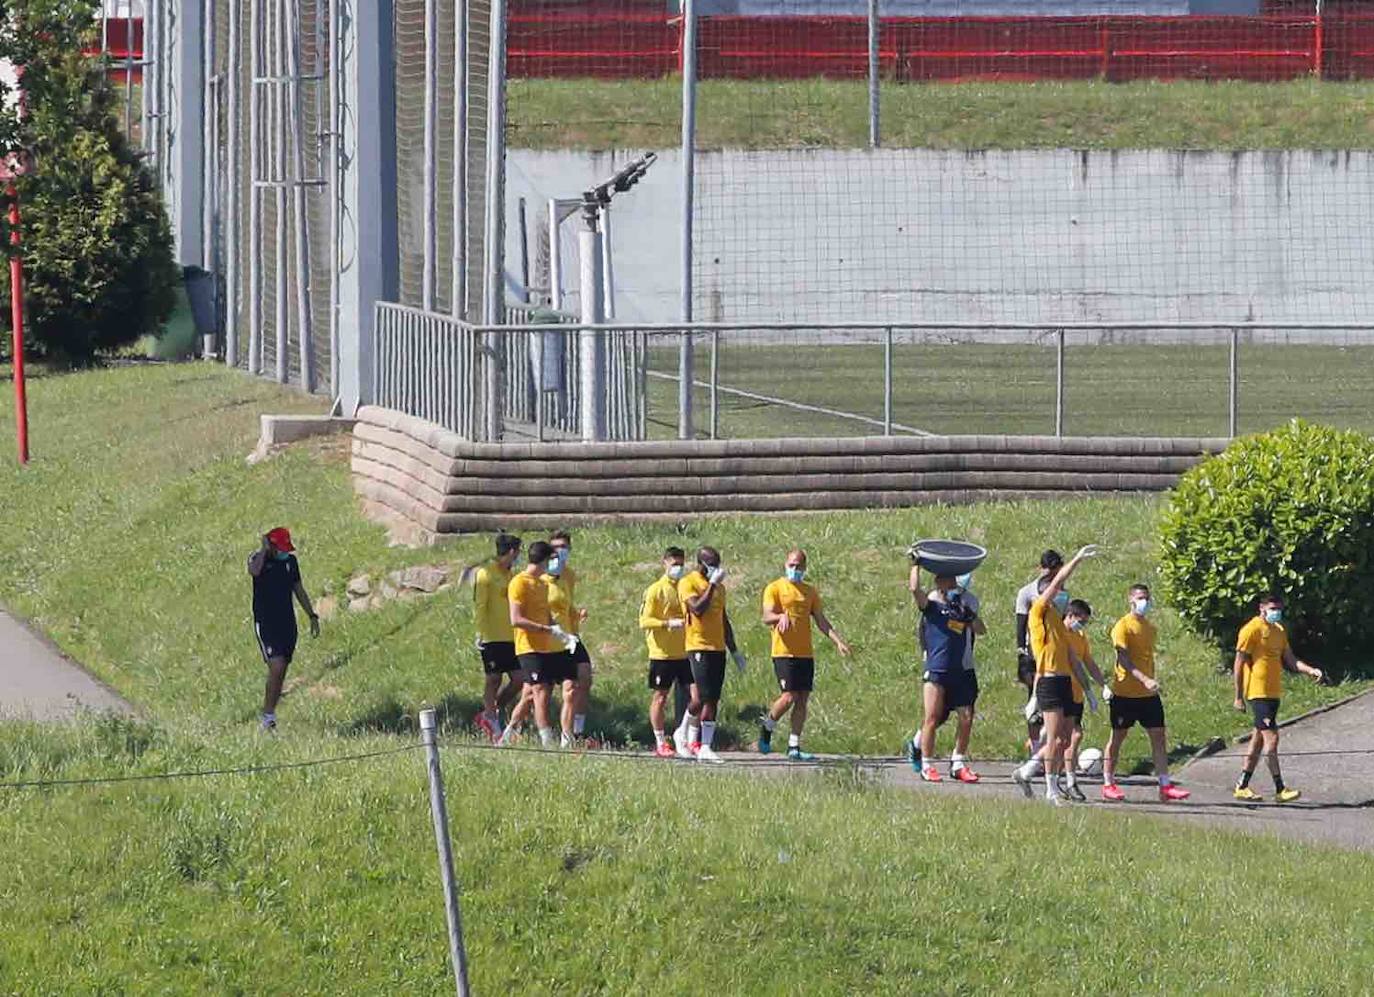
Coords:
1291,511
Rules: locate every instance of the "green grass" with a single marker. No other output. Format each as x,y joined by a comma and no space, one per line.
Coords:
586,876
126,540
593,114
1109,390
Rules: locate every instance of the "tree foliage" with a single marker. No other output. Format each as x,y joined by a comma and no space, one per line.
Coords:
97,247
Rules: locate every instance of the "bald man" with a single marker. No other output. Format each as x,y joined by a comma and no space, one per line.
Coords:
789,606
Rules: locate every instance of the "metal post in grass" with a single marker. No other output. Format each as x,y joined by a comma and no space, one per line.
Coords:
1233,385
1059,382
874,137
591,363
685,375
887,381
715,381
439,811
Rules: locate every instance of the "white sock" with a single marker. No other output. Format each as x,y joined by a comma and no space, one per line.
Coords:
708,732
1070,776
1050,788
660,739
794,740
768,723
565,740
680,734
956,762
546,736
579,722
693,734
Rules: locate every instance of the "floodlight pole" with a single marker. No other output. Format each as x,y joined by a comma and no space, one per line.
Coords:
21,405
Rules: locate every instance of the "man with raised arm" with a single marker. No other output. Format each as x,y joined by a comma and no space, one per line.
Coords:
709,638
276,579
946,623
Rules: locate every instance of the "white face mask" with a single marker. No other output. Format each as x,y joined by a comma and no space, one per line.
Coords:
675,571
1142,606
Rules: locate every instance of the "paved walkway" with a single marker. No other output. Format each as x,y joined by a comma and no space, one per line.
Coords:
38,683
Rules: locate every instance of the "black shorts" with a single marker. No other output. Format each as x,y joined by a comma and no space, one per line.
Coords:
1025,670
1074,711
547,667
579,655
964,693
275,643
708,672
1054,692
1266,712
1127,711
498,657
949,681
665,672
795,674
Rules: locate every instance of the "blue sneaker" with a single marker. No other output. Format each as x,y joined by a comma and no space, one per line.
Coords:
765,740
913,755
797,755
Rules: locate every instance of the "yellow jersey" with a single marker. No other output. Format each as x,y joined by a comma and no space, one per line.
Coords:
532,596
1049,640
800,602
491,609
661,604
562,593
1136,636
707,631
1082,650
1264,643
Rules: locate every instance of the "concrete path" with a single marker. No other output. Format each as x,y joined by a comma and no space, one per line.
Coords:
38,683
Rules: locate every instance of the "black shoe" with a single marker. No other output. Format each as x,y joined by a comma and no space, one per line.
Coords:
913,755
765,740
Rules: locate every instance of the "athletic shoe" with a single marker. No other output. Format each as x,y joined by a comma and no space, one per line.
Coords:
1074,792
913,755
1112,793
1286,795
705,754
484,724
1023,782
591,744
665,750
268,726
1171,793
1055,800
1247,794
765,740
964,774
684,748
797,755
931,774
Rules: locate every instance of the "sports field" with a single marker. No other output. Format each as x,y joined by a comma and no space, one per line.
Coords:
594,114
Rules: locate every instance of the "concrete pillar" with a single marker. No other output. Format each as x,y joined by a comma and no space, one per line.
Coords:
368,256
185,131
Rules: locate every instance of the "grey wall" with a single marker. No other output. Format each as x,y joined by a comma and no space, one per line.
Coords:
1023,236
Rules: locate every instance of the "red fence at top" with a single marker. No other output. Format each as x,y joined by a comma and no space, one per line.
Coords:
631,41
123,38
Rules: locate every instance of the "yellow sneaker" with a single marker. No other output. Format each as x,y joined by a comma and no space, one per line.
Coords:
1247,794
1286,795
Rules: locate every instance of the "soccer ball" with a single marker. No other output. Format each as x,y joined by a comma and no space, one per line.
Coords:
1090,761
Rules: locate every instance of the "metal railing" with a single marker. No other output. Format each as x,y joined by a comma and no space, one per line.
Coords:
430,366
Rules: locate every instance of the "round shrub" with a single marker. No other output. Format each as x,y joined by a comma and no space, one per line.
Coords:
1290,511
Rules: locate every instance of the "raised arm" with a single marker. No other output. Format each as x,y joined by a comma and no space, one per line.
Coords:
1061,578
258,559
913,585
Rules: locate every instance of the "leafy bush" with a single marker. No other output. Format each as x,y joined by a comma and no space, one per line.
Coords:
1292,511
97,246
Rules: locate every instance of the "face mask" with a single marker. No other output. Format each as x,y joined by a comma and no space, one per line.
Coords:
1061,602
1273,615
555,567
1142,606
954,591
963,581
281,555
1076,626
795,575
561,555
675,571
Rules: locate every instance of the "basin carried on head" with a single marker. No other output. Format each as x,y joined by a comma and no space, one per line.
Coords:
947,557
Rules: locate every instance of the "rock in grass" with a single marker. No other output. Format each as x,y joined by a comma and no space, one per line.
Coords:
360,586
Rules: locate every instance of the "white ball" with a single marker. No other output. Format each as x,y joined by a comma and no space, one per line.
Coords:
1090,761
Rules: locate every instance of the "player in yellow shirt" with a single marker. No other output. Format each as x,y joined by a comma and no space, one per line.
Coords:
562,582
1053,694
1076,621
709,637
540,644
1135,698
664,622
1262,653
495,636
789,606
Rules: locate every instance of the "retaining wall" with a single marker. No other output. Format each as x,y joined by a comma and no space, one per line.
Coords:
434,480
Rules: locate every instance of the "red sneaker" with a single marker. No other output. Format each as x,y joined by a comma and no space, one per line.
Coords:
695,748
1112,793
931,774
665,750
485,725
965,774
1171,792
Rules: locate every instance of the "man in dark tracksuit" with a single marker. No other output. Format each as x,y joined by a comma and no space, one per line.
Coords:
276,578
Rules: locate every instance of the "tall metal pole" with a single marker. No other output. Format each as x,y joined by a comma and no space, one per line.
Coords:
685,375
129,68
493,256
887,381
438,810
874,138
21,404
1233,386
458,295
430,183
715,383
335,48
591,359
231,236
279,175
1059,383
254,247
305,325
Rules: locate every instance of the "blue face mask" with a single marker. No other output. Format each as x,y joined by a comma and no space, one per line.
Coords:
281,555
1061,602
963,581
795,575
1076,626
1273,615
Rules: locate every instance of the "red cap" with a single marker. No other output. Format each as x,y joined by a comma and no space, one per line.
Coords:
280,538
